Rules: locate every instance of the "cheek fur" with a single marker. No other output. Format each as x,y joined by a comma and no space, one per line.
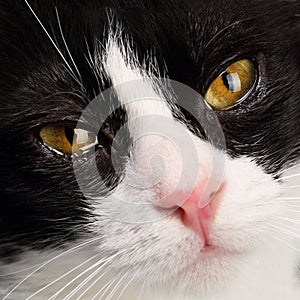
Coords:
129,240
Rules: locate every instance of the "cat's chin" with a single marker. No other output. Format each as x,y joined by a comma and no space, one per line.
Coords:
212,269
213,272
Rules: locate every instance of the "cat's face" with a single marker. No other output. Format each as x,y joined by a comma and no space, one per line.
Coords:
173,180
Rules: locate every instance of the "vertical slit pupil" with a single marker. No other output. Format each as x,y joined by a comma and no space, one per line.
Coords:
225,79
69,132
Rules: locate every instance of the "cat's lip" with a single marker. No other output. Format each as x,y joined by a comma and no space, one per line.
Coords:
209,249
215,250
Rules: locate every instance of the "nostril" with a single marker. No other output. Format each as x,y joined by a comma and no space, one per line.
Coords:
212,195
172,200
180,213
198,219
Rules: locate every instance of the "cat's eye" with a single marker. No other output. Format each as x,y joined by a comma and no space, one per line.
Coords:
67,140
232,86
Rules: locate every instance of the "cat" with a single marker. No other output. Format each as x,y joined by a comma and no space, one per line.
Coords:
149,149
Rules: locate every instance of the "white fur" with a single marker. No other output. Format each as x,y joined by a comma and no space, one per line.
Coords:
248,207
150,248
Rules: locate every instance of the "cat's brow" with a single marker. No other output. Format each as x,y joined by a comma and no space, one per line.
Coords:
230,26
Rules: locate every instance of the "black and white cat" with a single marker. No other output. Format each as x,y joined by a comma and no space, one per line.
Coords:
149,149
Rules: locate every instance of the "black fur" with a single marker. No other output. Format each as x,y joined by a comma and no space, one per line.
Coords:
193,41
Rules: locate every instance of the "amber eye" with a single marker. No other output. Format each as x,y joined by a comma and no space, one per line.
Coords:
67,140
232,86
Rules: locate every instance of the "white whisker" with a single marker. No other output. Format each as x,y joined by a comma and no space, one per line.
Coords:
141,290
61,277
49,261
92,65
288,177
283,224
99,48
94,282
292,210
285,231
287,244
290,220
292,206
116,287
49,36
66,45
89,278
105,260
291,187
20,271
288,169
127,285
104,289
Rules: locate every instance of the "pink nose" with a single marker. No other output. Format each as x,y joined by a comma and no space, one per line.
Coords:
196,209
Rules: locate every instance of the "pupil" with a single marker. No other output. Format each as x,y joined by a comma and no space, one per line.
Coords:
69,132
232,82
225,80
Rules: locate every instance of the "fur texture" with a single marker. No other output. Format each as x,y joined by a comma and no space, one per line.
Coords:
84,227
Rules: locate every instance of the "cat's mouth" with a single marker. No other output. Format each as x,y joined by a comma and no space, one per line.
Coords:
210,250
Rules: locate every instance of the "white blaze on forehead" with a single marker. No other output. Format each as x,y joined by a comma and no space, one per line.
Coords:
163,149
135,88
